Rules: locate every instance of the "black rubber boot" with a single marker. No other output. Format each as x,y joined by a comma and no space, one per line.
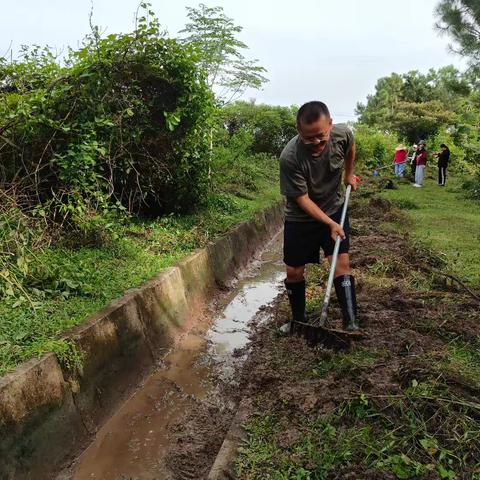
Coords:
345,288
296,296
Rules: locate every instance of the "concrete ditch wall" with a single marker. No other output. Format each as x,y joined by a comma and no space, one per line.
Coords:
47,412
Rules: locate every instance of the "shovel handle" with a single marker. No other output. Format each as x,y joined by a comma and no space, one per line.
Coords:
331,275
390,165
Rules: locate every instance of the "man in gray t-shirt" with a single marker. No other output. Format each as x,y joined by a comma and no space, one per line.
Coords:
311,168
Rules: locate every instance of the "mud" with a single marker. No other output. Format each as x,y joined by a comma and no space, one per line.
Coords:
174,425
409,325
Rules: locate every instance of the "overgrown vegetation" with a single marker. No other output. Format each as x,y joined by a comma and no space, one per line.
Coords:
123,124
116,162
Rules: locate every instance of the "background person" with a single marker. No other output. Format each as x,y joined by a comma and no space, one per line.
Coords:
413,162
421,162
443,158
400,159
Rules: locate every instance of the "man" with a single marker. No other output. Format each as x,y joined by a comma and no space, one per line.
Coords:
311,167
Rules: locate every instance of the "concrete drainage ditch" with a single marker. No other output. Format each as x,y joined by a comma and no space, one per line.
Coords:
132,443
49,414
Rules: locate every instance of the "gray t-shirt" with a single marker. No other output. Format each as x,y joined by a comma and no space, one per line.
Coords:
320,177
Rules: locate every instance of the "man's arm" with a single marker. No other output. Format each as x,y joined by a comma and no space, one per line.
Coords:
314,211
350,178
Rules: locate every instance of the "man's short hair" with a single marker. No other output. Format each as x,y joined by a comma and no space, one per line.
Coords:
311,111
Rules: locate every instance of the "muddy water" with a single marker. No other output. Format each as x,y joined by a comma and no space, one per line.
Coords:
132,444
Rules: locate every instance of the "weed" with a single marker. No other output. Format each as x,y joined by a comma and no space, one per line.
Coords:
346,363
405,204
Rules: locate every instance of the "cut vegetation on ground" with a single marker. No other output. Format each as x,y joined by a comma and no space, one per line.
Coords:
402,403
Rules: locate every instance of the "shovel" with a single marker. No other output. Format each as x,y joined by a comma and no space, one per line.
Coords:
319,330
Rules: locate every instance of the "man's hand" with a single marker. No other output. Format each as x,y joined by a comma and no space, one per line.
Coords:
336,230
352,180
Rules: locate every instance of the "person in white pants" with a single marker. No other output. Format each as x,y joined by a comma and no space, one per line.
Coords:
421,160
419,175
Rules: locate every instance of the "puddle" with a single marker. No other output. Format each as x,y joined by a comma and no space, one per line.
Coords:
131,445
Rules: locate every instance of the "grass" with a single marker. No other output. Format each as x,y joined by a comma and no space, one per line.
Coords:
395,436
443,219
397,406
74,283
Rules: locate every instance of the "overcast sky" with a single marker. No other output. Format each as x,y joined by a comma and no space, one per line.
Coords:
332,51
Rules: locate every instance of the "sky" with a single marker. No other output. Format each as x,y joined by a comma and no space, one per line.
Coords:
333,51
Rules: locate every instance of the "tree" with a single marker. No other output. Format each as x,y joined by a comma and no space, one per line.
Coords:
415,121
416,105
381,105
461,20
228,72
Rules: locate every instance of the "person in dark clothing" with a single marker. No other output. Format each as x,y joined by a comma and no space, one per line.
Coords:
312,165
443,158
413,162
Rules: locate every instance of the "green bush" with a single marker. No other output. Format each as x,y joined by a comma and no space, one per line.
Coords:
374,148
472,187
270,127
124,122
235,169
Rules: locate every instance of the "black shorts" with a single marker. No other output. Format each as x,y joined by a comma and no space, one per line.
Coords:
302,241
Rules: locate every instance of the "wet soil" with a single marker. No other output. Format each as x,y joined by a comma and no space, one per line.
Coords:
410,317
174,424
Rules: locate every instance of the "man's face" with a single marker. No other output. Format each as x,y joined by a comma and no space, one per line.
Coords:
315,135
